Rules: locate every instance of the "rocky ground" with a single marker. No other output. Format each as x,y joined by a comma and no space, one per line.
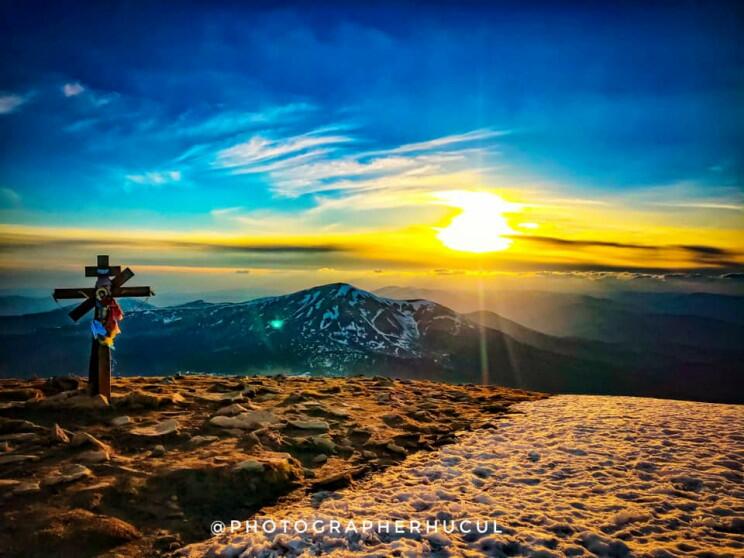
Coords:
149,471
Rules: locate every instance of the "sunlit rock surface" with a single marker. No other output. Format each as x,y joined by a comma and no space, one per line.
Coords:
571,476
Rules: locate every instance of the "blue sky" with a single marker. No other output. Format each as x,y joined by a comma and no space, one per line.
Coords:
183,117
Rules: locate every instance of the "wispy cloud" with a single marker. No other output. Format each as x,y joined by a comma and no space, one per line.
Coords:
229,123
155,178
261,149
438,143
703,205
11,103
72,89
694,195
321,162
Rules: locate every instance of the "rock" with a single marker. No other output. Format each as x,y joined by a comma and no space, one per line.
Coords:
247,421
267,390
86,402
57,398
158,450
323,443
10,426
121,421
231,396
16,458
320,458
275,468
322,495
28,394
67,473
360,433
26,487
58,435
168,542
228,397
482,471
395,448
140,399
382,381
250,440
7,485
408,440
77,401
310,425
20,437
438,540
270,438
339,479
94,456
201,440
421,416
265,397
250,466
58,384
70,532
533,456
5,405
230,410
496,408
398,421
162,428
85,439
308,473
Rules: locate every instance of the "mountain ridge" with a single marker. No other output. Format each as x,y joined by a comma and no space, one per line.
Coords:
339,329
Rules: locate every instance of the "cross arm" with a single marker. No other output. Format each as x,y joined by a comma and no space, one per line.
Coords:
121,278
67,294
132,291
82,309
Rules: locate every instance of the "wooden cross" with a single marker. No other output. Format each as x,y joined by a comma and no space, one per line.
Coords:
109,282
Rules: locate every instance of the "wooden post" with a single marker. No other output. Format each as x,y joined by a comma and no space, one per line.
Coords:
99,372
93,368
104,370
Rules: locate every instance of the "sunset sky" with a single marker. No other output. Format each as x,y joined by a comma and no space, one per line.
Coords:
228,147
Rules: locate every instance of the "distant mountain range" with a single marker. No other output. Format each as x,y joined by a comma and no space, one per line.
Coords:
339,329
16,305
594,317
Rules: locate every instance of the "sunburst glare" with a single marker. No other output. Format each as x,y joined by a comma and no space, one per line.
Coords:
481,226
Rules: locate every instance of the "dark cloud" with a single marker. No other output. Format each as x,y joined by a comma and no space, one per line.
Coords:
705,250
702,254
555,241
710,255
18,242
277,248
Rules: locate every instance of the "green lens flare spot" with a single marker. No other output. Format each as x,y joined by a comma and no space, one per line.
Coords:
276,324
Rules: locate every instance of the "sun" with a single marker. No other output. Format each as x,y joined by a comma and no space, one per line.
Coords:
481,226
